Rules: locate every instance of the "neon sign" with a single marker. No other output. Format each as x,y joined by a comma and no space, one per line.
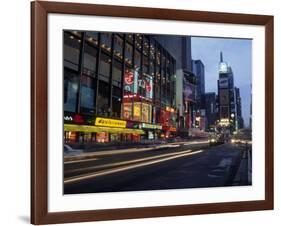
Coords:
129,78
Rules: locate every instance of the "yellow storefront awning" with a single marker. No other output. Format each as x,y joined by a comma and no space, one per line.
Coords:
98,129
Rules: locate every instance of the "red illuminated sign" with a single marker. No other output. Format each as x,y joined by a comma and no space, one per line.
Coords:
168,128
129,78
173,129
78,119
148,87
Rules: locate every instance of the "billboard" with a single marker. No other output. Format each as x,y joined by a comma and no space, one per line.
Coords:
188,91
131,81
146,112
110,122
149,87
223,83
127,110
141,112
137,111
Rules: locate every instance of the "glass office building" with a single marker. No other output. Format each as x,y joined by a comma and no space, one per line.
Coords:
117,87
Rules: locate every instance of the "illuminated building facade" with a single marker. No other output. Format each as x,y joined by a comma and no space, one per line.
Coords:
227,102
180,49
117,87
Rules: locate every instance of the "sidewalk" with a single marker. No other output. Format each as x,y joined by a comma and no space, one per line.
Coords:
244,172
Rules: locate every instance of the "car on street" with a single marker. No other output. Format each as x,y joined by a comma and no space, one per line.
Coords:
216,139
243,136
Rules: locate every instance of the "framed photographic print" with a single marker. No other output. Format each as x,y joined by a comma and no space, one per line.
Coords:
147,112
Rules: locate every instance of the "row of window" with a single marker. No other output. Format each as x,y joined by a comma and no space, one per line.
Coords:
137,61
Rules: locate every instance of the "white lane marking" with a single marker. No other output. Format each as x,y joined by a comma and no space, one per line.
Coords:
218,170
82,160
129,161
120,169
196,142
213,176
225,162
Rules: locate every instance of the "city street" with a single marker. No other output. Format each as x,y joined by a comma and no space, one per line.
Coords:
185,164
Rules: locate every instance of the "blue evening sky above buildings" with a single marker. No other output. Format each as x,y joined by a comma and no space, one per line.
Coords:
237,53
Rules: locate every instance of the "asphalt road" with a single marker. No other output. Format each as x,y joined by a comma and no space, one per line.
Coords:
166,166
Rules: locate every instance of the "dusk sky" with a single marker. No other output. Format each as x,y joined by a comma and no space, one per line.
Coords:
237,53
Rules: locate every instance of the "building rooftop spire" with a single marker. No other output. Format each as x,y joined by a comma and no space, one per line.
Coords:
221,57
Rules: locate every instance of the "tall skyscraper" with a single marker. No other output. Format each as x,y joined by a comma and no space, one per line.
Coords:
199,70
240,121
227,98
210,107
250,119
180,48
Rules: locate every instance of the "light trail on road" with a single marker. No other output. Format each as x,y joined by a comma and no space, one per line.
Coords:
197,142
120,169
81,160
128,162
82,157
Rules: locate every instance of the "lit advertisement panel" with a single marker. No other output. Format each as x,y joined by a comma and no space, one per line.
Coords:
165,117
188,91
142,111
110,122
130,81
137,111
146,112
127,110
148,86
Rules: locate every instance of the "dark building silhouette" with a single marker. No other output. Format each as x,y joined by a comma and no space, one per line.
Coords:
250,119
199,70
211,110
240,121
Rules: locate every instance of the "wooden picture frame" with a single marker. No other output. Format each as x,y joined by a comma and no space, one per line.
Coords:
39,109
